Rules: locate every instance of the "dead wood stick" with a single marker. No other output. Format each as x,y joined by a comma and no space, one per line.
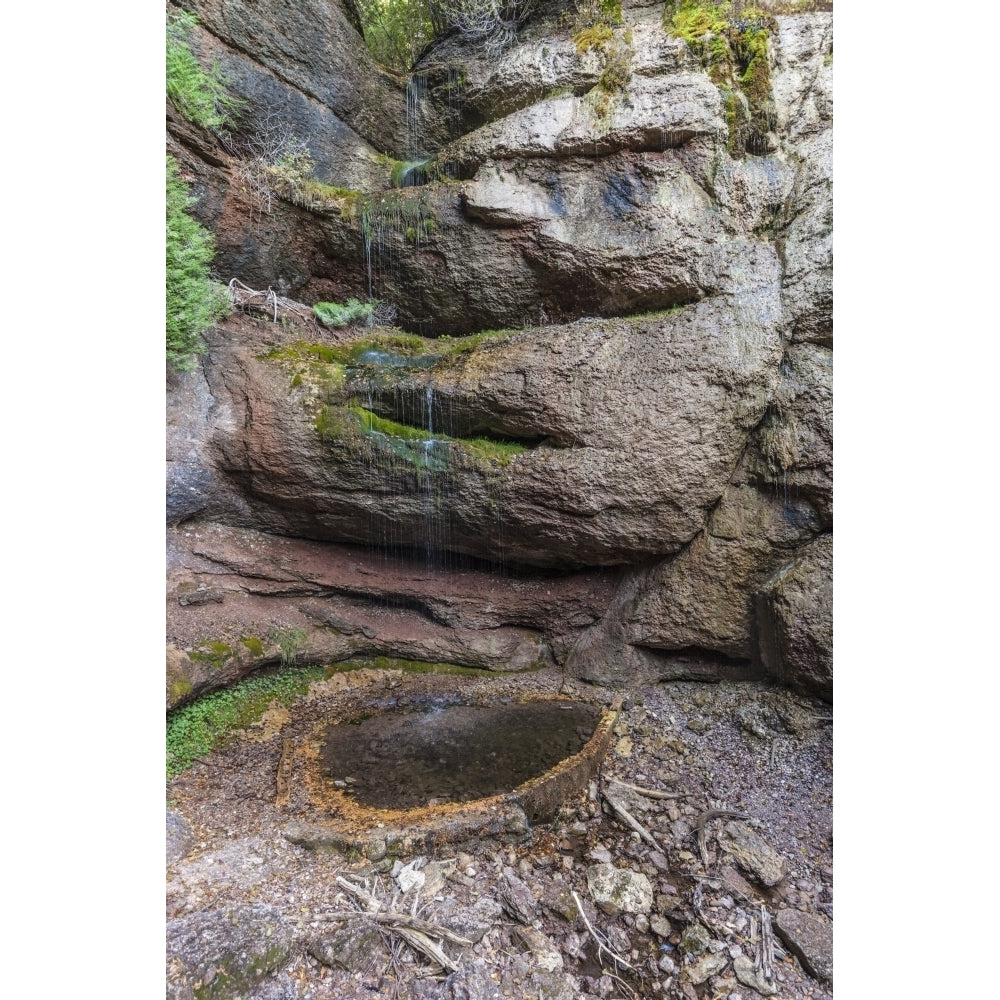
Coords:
415,939
651,793
764,961
601,946
706,817
395,919
629,820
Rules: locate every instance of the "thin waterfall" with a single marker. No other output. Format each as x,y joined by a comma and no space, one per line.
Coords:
416,91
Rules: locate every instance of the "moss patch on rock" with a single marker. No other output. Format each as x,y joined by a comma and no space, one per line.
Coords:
734,51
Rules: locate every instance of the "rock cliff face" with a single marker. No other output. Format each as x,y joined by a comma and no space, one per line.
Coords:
629,475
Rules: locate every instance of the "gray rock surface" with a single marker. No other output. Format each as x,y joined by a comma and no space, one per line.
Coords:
180,836
752,853
352,947
694,450
225,953
619,890
809,937
795,611
516,898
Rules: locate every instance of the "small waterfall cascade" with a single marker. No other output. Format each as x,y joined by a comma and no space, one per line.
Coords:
421,474
416,94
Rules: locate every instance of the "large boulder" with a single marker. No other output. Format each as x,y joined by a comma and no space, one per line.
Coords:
630,431
795,614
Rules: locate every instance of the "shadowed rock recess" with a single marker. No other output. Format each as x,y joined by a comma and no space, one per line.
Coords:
598,436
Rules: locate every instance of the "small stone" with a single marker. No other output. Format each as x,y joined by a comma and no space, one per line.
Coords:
660,925
753,854
543,951
641,923
600,854
619,890
708,966
667,964
695,939
515,897
658,859
749,976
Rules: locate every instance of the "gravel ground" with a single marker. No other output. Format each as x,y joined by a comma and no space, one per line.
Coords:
747,749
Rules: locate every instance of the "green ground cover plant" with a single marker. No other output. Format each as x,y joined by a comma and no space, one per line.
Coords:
196,729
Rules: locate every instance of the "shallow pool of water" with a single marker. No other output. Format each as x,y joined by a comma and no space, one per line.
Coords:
437,753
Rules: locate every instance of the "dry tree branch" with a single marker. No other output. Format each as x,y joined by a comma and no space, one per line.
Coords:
706,817
629,820
599,939
417,940
247,299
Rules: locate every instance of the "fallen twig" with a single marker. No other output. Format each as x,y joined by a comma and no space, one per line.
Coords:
764,959
597,936
243,297
629,820
706,817
417,940
651,793
282,779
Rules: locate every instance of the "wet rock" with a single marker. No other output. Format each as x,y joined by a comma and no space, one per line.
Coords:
353,947
810,939
515,897
180,837
752,853
224,953
619,890
749,976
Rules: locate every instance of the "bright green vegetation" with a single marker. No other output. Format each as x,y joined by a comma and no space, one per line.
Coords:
213,653
352,311
200,95
486,448
734,51
404,344
195,730
397,31
598,30
254,645
193,301
595,37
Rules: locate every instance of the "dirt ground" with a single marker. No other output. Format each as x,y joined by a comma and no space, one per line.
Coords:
758,755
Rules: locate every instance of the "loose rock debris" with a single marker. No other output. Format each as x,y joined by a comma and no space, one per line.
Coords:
495,920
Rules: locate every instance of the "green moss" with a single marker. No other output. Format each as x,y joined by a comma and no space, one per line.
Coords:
215,654
595,37
297,380
254,645
180,688
196,729
734,52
